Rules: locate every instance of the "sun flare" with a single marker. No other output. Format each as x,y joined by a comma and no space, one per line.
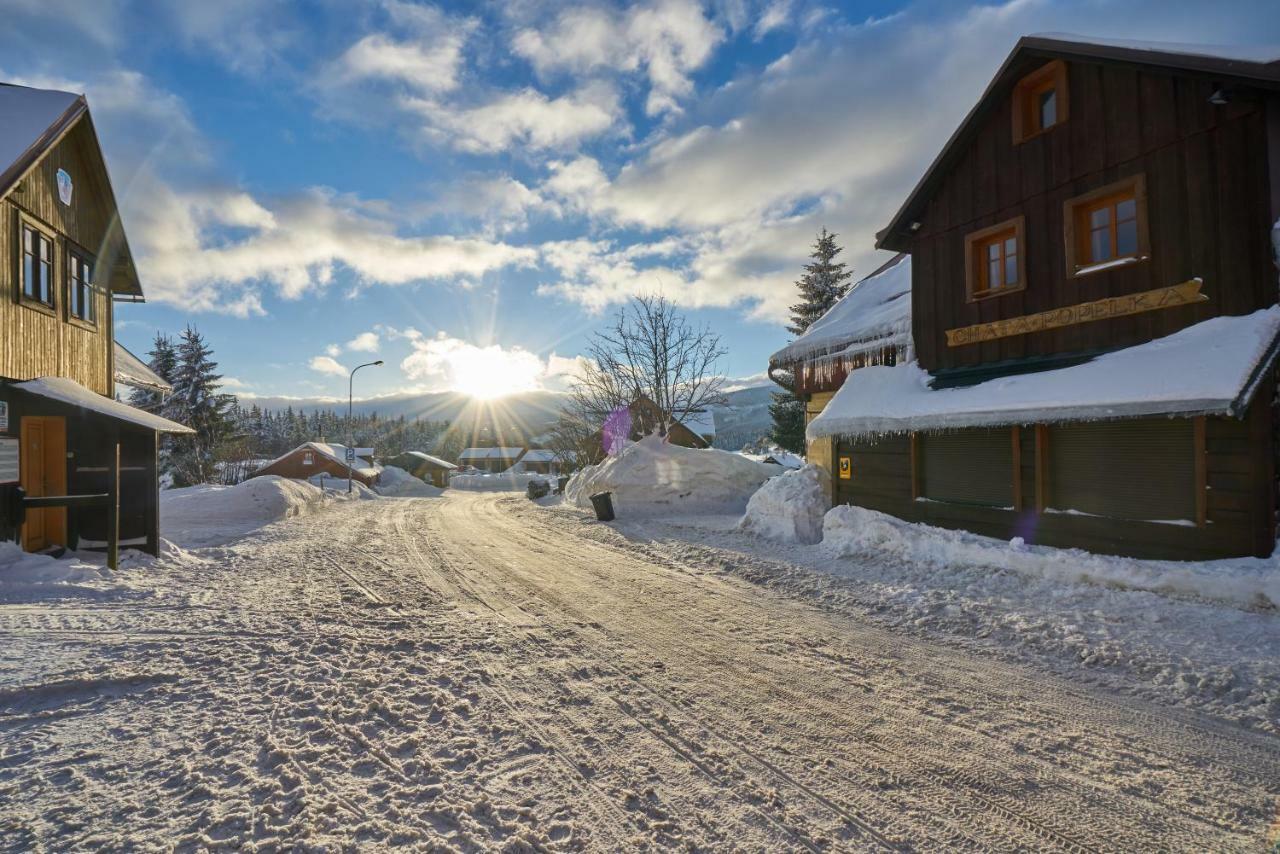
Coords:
491,372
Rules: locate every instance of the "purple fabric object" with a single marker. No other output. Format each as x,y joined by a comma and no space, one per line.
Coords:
617,430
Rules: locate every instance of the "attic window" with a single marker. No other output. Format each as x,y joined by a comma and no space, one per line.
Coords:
1040,101
37,266
1107,227
307,459
79,286
995,262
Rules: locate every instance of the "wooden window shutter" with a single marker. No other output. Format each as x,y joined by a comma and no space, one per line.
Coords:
967,467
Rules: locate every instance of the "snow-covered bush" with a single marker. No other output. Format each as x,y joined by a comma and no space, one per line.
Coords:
653,475
789,507
398,482
1243,582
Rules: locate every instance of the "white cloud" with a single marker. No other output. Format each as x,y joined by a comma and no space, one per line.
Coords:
775,16
526,118
365,342
500,202
668,39
327,365
485,372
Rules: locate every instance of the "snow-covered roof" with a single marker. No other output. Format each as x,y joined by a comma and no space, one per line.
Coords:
1213,367
132,371
1261,54
875,312
334,452
28,119
490,453
71,392
786,459
427,458
539,455
701,422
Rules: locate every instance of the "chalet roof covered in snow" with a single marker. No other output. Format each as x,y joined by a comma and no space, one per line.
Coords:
70,392
701,422
132,371
539,455
1211,368
428,458
490,454
875,313
1235,65
30,121
335,453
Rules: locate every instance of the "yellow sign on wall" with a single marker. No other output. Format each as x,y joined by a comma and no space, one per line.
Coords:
1085,312
846,468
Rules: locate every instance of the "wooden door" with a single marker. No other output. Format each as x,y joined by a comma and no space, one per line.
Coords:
44,472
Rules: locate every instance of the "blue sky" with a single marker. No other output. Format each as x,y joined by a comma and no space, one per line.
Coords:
467,190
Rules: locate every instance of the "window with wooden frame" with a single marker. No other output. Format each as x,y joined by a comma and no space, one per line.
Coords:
35,264
1040,101
995,260
1107,227
80,287
307,458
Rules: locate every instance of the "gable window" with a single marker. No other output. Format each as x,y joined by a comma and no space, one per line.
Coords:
995,262
37,266
1040,101
307,459
80,287
1107,227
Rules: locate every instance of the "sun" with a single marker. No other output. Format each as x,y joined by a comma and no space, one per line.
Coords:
491,372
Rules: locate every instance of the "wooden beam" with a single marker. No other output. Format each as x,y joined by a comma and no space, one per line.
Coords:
1017,469
1202,472
915,468
1042,465
113,511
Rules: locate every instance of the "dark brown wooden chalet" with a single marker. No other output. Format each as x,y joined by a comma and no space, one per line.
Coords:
64,260
424,467
1098,197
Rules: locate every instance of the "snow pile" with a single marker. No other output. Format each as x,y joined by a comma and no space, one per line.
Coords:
652,474
789,507
196,516
398,482
507,481
857,531
1208,367
25,577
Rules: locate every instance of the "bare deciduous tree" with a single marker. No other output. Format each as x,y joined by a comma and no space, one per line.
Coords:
650,350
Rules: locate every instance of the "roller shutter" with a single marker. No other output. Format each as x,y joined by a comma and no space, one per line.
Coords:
1140,470
967,467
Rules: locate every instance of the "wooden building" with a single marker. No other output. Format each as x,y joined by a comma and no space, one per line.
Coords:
76,466
424,467
544,461
1094,316
323,458
695,428
493,460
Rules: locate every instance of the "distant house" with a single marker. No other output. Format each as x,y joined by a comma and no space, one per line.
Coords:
65,264
694,428
312,458
543,461
424,467
490,459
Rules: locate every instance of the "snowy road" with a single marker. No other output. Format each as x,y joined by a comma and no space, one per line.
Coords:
478,673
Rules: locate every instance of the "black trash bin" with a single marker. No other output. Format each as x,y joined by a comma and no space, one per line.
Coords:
603,503
561,483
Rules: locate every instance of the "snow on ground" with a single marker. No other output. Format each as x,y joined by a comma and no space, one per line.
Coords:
507,481
789,507
195,516
399,483
654,476
1198,634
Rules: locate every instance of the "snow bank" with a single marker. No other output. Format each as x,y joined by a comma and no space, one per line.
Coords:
398,482
508,481
789,507
25,577
196,516
1209,367
654,475
1242,582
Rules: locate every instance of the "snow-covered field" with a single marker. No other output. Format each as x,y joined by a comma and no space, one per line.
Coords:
477,672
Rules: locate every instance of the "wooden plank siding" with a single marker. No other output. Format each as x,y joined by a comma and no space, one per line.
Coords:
1239,503
35,343
1209,203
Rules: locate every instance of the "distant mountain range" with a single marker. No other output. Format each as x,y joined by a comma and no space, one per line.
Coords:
743,419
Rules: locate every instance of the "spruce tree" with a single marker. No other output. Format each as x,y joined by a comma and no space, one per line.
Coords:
824,282
197,403
163,361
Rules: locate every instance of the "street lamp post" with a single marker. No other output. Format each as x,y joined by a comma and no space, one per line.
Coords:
351,442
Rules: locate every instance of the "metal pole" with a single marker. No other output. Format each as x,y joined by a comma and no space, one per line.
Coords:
351,442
